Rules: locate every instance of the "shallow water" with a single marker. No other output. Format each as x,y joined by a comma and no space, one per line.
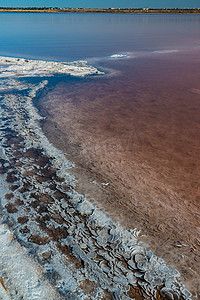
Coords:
73,246
132,135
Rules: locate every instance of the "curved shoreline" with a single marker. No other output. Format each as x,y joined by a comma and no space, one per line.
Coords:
97,249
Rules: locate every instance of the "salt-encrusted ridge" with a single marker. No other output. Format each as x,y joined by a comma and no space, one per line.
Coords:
20,67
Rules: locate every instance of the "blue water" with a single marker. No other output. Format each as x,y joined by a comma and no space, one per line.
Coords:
80,36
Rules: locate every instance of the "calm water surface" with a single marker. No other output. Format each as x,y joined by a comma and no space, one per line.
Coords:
79,36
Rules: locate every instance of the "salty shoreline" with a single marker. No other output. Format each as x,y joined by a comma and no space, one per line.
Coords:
166,206
102,190
76,243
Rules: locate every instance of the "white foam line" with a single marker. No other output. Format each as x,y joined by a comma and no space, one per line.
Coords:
119,56
139,54
165,51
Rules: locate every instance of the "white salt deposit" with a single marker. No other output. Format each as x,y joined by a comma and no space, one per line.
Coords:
119,56
3,294
19,67
23,278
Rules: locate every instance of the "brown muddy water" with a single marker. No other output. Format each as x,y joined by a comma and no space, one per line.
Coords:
134,135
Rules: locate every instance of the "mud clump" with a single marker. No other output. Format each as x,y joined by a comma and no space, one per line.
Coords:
11,208
22,220
37,239
11,177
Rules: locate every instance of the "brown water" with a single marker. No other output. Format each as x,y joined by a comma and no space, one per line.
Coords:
138,130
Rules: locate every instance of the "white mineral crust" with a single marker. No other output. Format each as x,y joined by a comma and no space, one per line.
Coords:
20,67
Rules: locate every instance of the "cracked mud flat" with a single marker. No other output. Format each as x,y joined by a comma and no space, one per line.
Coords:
77,251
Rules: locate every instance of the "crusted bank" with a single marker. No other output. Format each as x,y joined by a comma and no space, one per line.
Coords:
20,67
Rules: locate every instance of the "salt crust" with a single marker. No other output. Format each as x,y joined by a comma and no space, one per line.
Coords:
118,56
19,67
142,267
24,274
